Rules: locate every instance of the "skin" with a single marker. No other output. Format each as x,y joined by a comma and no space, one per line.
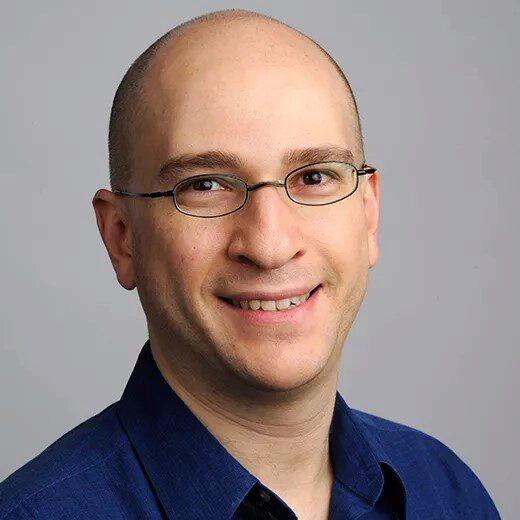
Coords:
266,393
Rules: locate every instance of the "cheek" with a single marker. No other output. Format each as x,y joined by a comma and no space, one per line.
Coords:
343,233
181,254
156,253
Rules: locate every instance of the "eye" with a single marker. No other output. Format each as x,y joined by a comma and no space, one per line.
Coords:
206,184
203,184
315,176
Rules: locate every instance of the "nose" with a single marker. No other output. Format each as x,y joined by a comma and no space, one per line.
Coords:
266,232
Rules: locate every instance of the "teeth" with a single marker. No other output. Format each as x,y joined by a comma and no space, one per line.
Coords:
283,304
272,305
268,306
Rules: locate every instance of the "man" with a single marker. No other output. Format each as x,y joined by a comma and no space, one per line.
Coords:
250,287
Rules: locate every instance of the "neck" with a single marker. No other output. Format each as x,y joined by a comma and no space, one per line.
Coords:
282,438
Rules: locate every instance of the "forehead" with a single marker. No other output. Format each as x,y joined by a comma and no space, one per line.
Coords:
248,88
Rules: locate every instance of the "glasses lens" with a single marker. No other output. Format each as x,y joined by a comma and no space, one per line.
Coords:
322,183
210,195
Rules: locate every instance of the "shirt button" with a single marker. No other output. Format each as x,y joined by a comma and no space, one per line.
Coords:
264,495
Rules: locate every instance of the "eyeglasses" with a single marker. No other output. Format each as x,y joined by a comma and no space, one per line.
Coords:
217,195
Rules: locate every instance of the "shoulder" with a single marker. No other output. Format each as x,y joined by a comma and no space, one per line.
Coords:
64,467
427,467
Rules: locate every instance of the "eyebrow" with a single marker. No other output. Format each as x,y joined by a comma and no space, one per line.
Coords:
211,159
217,159
302,156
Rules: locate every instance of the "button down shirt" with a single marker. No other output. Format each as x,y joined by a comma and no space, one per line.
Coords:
147,456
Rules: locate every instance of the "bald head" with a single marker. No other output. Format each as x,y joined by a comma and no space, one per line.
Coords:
136,100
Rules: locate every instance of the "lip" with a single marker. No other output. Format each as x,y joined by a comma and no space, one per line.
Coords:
269,296
293,315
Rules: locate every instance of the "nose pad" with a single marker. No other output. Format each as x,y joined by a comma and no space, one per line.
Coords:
277,183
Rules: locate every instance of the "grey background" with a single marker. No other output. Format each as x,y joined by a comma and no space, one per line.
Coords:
435,344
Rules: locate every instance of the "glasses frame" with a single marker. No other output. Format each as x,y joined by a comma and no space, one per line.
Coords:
364,170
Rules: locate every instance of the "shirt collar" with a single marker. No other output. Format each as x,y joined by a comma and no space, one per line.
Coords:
185,462
359,458
355,463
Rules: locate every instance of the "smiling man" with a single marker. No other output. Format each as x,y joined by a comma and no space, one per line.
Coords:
243,212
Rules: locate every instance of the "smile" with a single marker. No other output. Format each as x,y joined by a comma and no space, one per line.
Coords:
294,309
271,305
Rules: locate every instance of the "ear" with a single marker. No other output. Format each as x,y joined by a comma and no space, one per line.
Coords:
371,205
114,225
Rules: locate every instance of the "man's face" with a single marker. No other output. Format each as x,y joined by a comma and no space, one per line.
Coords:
236,92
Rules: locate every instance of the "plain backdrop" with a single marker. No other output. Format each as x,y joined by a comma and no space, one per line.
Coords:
435,344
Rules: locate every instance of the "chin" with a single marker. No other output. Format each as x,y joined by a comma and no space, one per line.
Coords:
280,373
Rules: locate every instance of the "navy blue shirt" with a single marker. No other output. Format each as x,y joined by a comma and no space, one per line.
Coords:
147,456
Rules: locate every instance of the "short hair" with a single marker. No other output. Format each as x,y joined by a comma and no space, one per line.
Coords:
128,99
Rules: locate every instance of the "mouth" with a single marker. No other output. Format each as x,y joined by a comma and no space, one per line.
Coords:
297,313
293,302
